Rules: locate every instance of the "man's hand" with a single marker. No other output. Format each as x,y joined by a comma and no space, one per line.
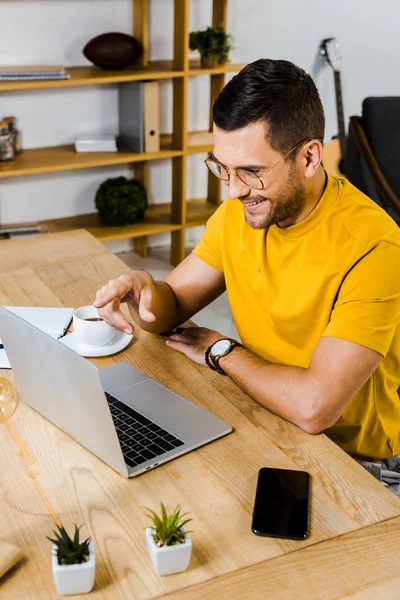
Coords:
135,286
193,342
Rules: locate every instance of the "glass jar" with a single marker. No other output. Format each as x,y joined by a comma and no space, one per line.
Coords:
7,149
12,127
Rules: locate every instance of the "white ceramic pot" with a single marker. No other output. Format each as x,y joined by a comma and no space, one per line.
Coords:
169,559
74,579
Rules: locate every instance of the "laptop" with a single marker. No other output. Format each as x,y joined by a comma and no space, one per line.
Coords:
128,420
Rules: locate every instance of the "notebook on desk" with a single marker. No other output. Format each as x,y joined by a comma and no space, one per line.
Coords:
53,321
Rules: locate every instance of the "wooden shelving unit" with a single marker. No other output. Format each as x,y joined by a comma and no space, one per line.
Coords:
161,69
158,219
64,158
181,213
196,69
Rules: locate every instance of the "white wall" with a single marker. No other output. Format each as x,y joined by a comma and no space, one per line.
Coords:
55,31
367,31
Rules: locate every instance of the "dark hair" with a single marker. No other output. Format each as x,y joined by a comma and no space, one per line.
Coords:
277,92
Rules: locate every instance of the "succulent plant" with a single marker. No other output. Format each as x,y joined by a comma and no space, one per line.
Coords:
168,529
70,551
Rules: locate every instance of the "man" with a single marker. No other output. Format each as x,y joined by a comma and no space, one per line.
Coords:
310,265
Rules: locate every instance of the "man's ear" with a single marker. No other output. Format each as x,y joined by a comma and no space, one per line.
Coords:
311,157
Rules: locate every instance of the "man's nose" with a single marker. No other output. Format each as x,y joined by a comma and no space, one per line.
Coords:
236,187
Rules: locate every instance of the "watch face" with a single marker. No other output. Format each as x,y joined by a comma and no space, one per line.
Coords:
220,347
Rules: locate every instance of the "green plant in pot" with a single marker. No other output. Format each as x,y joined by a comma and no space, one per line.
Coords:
168,542
73,562
121,201
214,45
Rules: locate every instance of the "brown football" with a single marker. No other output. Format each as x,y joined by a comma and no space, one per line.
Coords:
113,50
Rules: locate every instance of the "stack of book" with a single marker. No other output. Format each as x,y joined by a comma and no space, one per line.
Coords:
31,73
19,231
96,143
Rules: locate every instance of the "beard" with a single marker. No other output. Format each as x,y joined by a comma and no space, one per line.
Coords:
288,203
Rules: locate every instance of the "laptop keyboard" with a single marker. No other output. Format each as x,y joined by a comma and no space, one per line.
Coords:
140,438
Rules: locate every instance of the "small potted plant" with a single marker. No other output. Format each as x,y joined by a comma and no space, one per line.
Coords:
121,201
214,45
168,542
73,562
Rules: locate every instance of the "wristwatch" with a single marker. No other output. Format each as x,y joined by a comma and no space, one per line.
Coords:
217,350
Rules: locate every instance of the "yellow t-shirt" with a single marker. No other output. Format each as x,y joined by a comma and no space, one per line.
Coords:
336,273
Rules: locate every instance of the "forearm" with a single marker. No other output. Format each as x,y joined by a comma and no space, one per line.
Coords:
165,308
289,392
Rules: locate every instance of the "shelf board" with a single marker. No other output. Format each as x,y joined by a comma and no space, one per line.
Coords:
198,212
64,158
199,141
196,69
156,220
91,75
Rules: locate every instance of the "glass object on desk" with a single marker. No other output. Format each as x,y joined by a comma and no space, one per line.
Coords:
7,149
8,399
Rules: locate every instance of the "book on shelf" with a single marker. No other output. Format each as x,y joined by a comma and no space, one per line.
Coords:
32,72
7,229
96,143
98,148
32,69
38,77
139,116
16,236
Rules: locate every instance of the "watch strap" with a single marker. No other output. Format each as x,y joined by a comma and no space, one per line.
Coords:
207,359
212,361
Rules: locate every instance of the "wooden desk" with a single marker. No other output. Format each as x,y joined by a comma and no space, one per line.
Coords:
363,565
215,483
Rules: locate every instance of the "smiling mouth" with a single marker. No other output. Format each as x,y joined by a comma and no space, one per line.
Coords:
255,203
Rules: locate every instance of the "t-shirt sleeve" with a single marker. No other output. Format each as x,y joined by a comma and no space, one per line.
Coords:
209,248
367,310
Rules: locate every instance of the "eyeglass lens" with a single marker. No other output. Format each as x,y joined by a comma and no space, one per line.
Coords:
247,177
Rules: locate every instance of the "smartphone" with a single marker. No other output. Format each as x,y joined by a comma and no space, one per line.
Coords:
281,505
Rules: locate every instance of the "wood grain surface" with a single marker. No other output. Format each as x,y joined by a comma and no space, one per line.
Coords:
9,556
215,484
363,565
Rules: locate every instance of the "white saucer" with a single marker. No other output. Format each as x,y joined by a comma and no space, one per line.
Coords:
118,343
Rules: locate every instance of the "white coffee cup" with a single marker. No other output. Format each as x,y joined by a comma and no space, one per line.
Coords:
91,332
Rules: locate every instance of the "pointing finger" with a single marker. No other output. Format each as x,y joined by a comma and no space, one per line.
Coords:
113,316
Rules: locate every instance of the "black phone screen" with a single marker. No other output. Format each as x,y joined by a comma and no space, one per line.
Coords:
281,504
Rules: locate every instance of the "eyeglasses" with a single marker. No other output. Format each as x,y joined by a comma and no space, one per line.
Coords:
252,178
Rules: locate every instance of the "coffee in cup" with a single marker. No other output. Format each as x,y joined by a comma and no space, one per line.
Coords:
90,329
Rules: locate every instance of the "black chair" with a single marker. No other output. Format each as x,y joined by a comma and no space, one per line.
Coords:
373,152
